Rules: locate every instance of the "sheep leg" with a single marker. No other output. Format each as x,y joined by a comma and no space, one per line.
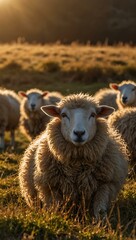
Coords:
2,142
26,128
105,193
3,124
12,142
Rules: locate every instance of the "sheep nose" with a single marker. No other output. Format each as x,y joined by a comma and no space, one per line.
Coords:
32,106
124,99
79,133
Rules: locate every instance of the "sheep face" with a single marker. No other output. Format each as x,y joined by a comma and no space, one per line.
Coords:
127,93
34,100
78,125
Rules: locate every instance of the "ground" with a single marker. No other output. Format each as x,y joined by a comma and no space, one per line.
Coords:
67,69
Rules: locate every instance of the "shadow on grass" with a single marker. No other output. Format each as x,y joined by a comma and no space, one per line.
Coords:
52,76
4,172
18,229
12,66
123,216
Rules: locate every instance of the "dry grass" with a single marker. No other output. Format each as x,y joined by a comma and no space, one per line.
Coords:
17,221
68,69
44,65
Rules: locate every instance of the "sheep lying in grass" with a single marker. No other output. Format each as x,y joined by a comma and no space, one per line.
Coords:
125,122
77,157
9,115
126,96
107,96
33,120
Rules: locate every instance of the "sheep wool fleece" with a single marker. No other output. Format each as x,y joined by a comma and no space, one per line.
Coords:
54,169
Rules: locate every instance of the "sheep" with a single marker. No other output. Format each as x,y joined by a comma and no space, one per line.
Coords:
126,96
107,96
9,115
54,97
33,120
124,121
77,157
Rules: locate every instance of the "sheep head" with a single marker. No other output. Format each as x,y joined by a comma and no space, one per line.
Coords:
126,92
78,124
33,99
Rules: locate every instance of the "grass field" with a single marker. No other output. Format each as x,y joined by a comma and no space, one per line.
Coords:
67,69
63,67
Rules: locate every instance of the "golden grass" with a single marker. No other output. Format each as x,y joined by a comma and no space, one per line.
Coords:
47,65
66,57
69,69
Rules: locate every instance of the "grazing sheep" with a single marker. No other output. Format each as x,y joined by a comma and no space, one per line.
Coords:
107,96
126,96
77,157
9,115
124,121
33,121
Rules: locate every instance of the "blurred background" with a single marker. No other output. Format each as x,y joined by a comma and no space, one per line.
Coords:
44,21
53,43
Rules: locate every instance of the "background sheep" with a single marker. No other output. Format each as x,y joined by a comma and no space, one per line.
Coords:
76,157
107,96
33,120
54,97
126,96
9,115
125,122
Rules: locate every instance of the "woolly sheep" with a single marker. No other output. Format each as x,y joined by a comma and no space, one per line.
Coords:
9,115
76,157
107,96
126,96
33,120
125,122
54,97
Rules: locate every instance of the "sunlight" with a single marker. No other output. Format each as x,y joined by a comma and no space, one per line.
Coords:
4,1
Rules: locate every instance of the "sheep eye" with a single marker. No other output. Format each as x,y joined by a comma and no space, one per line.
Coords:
134,89
92,115
64,115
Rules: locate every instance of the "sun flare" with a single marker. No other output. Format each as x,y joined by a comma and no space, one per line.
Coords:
4,1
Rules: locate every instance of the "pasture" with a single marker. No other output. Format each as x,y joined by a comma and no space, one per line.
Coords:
69,69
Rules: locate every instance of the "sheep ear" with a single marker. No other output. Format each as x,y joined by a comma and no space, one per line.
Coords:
114,86
51,110
22,94
45,93
104,111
